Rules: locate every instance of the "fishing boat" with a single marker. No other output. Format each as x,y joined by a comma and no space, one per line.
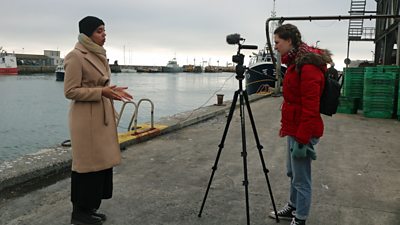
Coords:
261,73
172,67
60,72
8,63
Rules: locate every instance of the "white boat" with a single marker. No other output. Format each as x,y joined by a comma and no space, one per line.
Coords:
8,63
60,72
128,70
172,67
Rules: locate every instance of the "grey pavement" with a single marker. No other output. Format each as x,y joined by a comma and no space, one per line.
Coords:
356,177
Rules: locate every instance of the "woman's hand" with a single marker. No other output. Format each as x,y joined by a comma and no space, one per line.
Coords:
116,93
122,93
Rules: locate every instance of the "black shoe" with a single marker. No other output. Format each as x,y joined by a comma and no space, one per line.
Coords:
296,221
80,217
102,216
287,213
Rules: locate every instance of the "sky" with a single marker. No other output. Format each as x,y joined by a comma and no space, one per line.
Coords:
151,32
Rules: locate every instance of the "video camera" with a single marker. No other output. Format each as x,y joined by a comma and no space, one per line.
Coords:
234,39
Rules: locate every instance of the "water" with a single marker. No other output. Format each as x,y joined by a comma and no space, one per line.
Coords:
34,111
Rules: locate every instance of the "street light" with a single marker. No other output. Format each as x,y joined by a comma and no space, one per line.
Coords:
316,43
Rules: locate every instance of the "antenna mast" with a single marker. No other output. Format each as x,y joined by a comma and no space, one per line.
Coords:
273,24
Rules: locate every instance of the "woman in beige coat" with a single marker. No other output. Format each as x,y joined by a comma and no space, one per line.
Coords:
95,148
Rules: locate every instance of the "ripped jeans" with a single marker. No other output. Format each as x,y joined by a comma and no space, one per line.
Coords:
299,171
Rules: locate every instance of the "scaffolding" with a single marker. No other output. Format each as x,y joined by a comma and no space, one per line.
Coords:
387,34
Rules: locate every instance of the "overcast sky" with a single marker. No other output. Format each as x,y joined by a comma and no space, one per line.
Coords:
154,31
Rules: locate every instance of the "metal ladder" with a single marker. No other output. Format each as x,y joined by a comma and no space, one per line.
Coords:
134,117
357,31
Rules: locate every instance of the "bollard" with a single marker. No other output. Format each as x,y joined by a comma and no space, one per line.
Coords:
220,99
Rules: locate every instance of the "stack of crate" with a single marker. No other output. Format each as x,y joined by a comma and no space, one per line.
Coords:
396,70
353,86
379,92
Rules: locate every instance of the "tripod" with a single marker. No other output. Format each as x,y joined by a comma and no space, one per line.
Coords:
244,100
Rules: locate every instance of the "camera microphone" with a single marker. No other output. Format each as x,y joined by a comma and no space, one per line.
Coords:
233,39
249,46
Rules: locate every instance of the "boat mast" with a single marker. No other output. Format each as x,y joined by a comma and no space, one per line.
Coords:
274,24
278,68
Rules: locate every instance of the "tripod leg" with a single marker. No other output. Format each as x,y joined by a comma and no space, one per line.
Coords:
260,147
244,155
221,146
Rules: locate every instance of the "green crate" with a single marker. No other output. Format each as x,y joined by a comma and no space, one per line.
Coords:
380,76
378,114
371,91
373,70
387,68
353,82
353,92
398,102
378,100
348,105
355,70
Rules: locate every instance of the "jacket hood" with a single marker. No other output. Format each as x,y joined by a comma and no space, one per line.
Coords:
317,57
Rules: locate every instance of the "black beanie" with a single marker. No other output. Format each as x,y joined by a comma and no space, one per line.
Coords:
89,24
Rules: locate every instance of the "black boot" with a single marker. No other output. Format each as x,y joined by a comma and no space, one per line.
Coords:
102,216
84,217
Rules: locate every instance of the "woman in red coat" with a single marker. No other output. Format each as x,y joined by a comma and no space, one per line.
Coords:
301,121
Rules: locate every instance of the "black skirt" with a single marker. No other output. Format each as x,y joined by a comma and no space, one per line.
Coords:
88,189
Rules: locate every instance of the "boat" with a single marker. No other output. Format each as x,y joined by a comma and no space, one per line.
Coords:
128,70
192,69
172,67
8,63
197,69
60,72
148,69
261,72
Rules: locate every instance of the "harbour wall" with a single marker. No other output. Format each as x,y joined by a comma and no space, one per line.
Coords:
36,69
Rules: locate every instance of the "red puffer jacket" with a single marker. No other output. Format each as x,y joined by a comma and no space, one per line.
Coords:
302,89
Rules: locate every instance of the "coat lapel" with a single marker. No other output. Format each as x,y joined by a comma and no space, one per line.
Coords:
96,62
93,59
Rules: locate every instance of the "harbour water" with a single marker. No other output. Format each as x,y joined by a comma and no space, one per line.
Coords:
34,111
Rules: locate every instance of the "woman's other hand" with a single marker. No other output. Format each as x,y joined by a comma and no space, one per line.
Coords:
116,93
122,93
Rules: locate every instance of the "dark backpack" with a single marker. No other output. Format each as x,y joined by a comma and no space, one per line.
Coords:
330,97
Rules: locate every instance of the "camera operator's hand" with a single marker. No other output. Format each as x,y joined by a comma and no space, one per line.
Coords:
116,93
298,150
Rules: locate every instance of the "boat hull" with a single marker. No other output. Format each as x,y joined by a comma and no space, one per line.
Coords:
172,69
59,76
260,75
8,71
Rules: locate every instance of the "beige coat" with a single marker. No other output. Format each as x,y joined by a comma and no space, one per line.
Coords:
92,124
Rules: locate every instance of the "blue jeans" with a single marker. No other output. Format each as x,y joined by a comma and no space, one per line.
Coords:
299,171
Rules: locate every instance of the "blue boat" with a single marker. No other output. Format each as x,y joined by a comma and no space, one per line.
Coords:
60,72
261,73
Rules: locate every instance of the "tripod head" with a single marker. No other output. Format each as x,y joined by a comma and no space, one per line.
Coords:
239,58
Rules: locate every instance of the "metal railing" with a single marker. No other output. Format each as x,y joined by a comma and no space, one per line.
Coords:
134,117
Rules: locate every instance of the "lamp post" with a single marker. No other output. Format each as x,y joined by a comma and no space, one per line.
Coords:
316,43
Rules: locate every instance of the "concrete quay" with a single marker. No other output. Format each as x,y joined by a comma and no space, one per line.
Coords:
163,180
